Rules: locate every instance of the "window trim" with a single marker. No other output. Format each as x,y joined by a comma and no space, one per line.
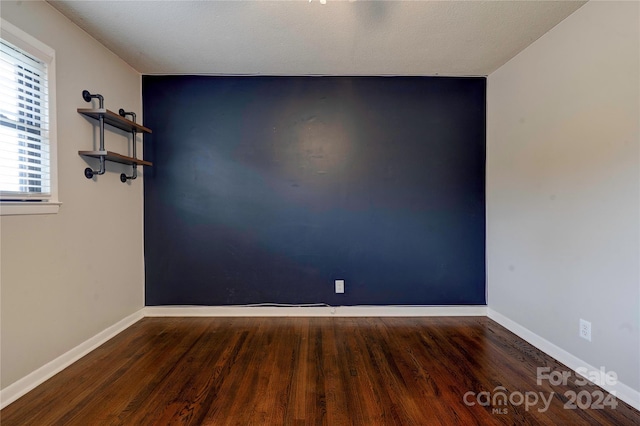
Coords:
41,51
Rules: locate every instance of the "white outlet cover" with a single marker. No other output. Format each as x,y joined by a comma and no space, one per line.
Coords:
339,286
585,329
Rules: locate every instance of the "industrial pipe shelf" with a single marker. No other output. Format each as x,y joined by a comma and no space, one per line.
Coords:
104,116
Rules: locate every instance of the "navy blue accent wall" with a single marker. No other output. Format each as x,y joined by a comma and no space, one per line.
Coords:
266,189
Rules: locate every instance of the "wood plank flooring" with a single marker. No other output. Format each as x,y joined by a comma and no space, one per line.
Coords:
311,371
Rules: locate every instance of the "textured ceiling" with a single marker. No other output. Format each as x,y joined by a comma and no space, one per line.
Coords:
301,38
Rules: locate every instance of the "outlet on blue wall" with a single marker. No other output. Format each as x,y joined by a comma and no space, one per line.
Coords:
267,189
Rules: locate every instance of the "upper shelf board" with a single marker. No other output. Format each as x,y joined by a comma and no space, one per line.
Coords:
113,119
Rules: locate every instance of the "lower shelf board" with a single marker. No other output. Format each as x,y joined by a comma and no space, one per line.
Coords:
115,157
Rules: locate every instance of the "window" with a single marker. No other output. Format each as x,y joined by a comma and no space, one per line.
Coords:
27,124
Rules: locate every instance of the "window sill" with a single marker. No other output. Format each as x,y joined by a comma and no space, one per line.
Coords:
13,208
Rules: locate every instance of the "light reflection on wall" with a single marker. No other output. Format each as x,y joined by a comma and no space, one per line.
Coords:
317,148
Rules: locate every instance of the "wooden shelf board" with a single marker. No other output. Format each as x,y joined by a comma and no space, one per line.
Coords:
113,119
115,157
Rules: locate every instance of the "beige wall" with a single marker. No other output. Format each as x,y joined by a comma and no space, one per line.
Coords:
563,183
68,276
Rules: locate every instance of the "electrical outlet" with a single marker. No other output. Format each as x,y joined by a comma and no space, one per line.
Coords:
339,286
585,329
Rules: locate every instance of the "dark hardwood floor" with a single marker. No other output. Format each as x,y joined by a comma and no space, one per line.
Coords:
306,371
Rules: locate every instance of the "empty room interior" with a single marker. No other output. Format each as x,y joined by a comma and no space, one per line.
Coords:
320,212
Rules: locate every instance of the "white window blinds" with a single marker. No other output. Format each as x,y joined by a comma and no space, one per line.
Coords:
25,172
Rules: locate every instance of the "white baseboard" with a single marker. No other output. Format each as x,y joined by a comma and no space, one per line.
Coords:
313,311
27,383
39,376
619,389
